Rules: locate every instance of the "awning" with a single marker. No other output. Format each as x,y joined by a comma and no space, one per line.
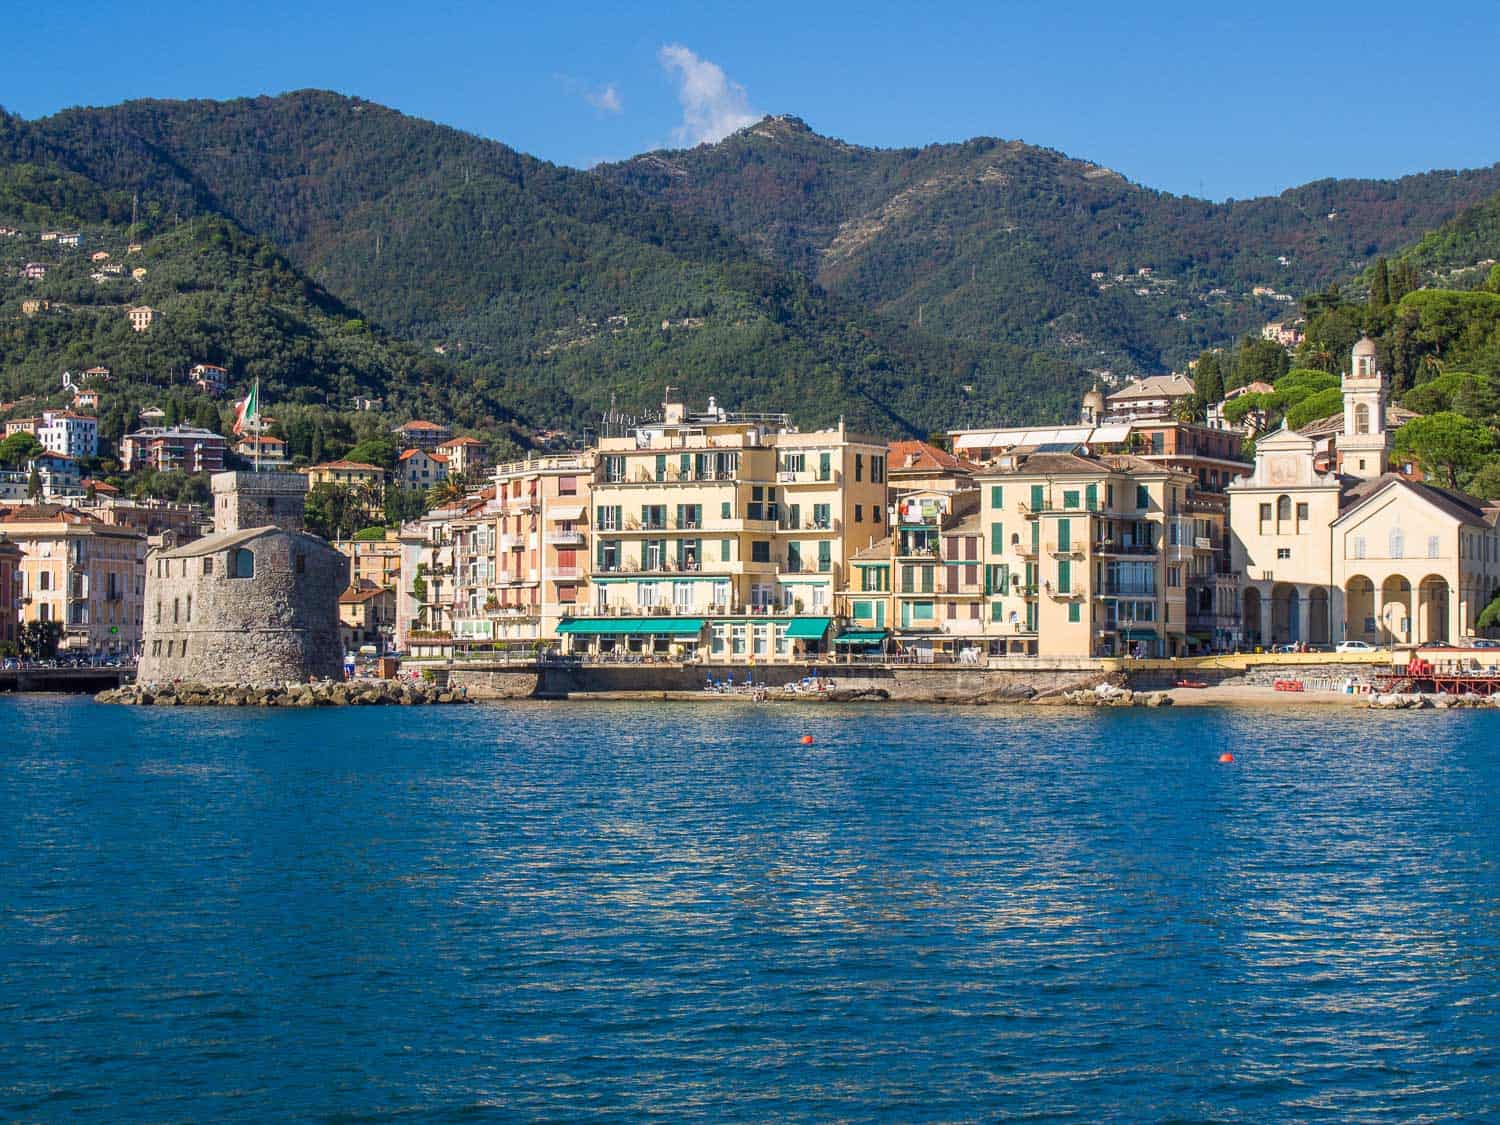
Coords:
573,513
632,626
861,637
808,628
1138,634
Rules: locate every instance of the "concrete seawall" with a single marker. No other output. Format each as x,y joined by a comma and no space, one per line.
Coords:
901,683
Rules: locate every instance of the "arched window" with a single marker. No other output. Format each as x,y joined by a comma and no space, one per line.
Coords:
1362,418
242,563
1283,509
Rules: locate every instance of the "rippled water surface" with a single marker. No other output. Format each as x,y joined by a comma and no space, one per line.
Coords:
579,911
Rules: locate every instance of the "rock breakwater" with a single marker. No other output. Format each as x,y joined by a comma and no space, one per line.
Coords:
356,693
1103,695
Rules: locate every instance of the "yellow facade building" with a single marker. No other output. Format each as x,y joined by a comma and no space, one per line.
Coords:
725,534
1086,556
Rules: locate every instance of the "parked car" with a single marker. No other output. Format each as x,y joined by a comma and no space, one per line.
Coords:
1436,644
1357,646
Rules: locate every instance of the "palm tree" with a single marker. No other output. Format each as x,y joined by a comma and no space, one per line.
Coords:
449,490
1185,409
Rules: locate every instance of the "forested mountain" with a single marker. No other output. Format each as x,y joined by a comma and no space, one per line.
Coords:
907,290
557,289
999,240
223,296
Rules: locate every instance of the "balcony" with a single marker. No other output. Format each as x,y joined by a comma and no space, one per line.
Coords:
1025,550
1073,593
1068,551
1114,547
565,538
565,573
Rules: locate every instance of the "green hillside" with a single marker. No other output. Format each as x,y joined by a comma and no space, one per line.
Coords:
994,240
552,286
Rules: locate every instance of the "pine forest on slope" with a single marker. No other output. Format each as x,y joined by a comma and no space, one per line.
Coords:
905,289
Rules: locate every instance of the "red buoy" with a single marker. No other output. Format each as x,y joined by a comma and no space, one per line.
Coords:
1226,757
807,740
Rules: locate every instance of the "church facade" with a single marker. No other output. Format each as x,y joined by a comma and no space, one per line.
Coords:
1356,552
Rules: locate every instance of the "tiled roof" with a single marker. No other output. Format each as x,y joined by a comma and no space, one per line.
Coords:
348,466
1154,386
923,456
1460,505
361,592
418,424
880,549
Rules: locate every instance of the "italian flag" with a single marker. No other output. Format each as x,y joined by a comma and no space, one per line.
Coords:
248,414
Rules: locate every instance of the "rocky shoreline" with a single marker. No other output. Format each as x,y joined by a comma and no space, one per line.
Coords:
1103,695
324,693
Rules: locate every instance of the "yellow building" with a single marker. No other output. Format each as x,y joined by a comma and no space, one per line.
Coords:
1365,555
1085,556
86,575
725,531
367,482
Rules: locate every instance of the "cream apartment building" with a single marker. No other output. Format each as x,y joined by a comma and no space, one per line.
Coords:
730,531
1086,556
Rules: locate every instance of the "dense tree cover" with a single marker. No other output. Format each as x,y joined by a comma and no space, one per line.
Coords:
223,297
17,449
1300,396
997,240
904,290
555,291
1446,445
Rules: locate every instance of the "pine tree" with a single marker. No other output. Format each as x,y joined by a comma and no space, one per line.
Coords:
1380,285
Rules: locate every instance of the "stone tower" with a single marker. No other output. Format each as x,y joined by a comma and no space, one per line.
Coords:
1093,408
246,500
1365,443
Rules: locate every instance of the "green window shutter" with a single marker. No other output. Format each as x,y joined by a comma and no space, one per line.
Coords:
997,497
725,550
1070,498
825,557
997,611
661,466
1036,498
1091,497
726,510
1074,614
825,466
1064,534
685,466
1064,576
1142,496
997,539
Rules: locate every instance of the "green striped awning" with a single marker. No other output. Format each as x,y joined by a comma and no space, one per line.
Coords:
632,626
808,628
861,637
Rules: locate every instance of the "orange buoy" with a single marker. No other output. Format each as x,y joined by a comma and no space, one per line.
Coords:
1226,757
807,740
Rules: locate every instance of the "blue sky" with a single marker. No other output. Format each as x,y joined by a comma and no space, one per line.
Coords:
1196,98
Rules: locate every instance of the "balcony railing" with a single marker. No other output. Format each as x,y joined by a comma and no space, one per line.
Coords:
1066,551
1116,547
565,538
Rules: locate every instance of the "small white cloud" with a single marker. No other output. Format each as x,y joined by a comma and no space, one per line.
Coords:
712,105
606,99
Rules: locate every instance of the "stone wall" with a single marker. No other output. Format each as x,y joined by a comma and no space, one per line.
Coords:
279,625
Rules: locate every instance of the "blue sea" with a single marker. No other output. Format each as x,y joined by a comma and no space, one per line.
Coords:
575,911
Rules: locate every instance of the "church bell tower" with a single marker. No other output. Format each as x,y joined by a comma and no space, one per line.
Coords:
1364,446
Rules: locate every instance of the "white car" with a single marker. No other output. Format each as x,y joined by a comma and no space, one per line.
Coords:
1356,646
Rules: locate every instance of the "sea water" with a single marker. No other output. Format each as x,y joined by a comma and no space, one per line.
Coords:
577,911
